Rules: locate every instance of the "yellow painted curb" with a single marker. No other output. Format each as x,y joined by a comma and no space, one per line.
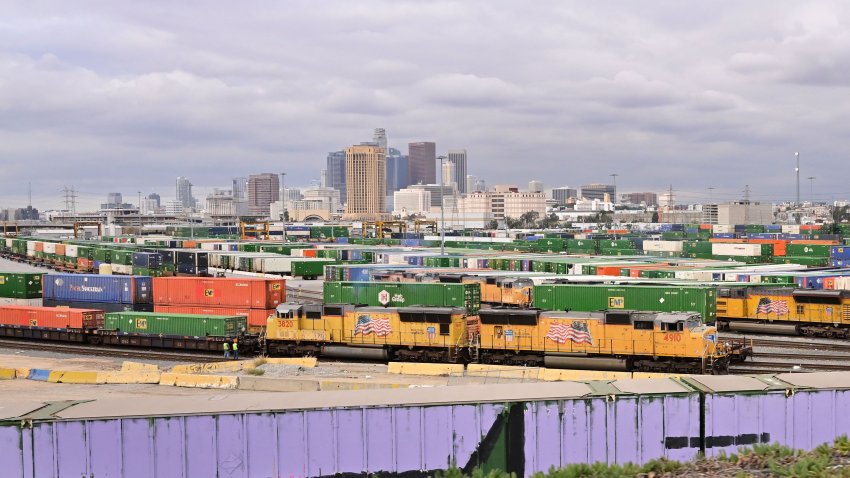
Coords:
138,367
149,377
551,375
655,375
300,361
54,376
77,377
213,367
199,381
431,369
7,373
503,371
22,372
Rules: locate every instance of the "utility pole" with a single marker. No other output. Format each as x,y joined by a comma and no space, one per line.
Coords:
670,206
140,212
442,209
747,204
797,155
283,205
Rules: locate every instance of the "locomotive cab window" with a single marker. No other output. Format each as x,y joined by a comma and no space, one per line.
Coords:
444,329
672,326
411,317
434,318
333,310
313,314
644,325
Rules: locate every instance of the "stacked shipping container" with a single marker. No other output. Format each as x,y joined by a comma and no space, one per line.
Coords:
255,299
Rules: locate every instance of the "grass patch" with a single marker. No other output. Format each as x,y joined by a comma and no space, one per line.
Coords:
260,361
255,371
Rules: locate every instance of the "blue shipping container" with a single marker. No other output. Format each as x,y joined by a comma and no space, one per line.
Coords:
98,288
839,252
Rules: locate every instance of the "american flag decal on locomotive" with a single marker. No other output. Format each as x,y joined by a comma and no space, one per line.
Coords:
367,325
576,332
766,306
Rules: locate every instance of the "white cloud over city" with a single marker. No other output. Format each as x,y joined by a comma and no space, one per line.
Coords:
126,96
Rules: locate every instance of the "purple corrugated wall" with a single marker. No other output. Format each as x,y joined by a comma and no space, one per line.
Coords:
397,439
803,420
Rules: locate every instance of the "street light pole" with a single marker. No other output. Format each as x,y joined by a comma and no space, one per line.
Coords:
442,209
283,205
797,155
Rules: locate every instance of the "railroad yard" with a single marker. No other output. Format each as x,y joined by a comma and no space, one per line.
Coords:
596,314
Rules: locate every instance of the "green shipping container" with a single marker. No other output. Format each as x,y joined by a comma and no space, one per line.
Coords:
310,268
20,285
467,296
588,298
807,250
182,325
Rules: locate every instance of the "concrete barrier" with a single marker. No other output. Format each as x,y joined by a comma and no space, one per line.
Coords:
7,373
199,381
77,377
431,369
503,371
551,375
39,374
656,375
22,372
134,377
214,367
262,384
128,366
327,385
309,362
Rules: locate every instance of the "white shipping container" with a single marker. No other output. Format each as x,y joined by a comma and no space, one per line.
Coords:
211,246
791,228
122,269
71,250
22,302
9,242
734,249
842,283
662,246
722,229
31,245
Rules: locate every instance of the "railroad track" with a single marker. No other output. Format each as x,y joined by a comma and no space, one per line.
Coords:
771,367
100,351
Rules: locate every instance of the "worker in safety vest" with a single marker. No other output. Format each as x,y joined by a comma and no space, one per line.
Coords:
226,350
235,350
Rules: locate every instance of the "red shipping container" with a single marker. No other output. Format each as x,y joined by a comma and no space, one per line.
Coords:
51,317
249,293
256,317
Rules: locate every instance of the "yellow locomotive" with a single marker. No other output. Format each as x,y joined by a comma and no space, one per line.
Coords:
434,334
496,290
784,310
610,340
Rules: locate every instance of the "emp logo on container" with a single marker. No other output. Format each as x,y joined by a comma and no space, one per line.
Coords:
142,324
275,286
209,293
616,303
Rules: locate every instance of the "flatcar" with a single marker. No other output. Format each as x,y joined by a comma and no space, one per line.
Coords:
784,310
611,340
429,334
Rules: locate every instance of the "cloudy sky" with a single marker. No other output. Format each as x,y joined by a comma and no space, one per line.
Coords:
126,95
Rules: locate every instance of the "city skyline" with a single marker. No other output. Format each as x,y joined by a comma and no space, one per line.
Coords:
529,92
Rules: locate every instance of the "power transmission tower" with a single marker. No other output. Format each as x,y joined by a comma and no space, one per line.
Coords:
671,207
747,204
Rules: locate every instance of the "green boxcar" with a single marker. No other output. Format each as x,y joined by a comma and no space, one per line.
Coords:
588,298
182,325
311,268
122,257
466,296
20,285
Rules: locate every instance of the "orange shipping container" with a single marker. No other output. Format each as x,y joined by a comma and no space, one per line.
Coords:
829,283
816,242
39,246
309,252
249,293
60,249
51,317
256,317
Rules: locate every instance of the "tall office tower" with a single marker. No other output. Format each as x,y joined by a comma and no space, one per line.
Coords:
366,182
380,137
458,157
263,189
598,191
449,178
535,186
470,183
323,178
336,172
397,171
114,198
563,194
240,188
184,193
480,185
422,162
157,200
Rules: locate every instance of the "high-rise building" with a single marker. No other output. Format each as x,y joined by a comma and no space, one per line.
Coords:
563,194
411,201
458,158
480,185
380,138
184,193
221,203
449,178
470,183
323,179
535,186
598,191
422,162
240,188
336,172
263,189
366,182
114,198
157,200
648,198
397,171
437,192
